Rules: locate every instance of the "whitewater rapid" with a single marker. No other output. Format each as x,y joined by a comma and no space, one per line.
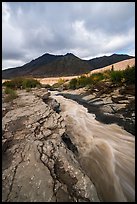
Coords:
106,152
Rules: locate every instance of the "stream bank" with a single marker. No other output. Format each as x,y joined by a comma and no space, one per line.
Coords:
110,104
106,152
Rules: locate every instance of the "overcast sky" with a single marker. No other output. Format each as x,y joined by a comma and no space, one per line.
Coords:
86,29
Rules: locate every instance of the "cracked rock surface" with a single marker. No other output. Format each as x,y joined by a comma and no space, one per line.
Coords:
37,165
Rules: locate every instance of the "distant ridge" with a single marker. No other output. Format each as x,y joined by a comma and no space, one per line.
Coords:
104,61
122,65
49,65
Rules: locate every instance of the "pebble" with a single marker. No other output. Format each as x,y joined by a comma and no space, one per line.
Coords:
32,177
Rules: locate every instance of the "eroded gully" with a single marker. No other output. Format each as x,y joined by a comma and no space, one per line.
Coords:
106,152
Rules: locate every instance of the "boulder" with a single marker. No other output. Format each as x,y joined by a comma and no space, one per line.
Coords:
45,97
55,105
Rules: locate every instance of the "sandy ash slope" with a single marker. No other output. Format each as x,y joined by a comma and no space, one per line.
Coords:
117,66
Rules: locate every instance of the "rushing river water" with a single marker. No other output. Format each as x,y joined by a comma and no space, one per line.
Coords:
106,152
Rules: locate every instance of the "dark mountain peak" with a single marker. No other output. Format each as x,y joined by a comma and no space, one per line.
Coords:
49,65
69,54
115,54
120,55
42,61
50,55
46,55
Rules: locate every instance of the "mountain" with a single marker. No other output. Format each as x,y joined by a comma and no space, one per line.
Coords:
49,65
104,61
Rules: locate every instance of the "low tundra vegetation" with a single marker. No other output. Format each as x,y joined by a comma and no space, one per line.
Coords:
22,83
19,83
10,94
126,76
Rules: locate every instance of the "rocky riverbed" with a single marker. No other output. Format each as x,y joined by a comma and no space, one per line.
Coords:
106,152
39,160
109,102
53,150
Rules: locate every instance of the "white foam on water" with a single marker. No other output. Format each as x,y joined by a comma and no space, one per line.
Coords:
107,152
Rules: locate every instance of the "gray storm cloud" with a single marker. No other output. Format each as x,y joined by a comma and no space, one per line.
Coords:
30,29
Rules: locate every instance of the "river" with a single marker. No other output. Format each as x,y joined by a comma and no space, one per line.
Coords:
106,152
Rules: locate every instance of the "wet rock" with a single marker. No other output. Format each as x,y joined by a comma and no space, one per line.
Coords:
51,102
45,97
69,143
115,106
97,101
55,105
5,143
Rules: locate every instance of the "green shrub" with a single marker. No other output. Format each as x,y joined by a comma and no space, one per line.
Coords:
5,83
11,94
30,83
129,75
96,77
116,76
46,86
73,83
56,85
14,83
9,84
83,81
21,82
8,90
61,81
106,74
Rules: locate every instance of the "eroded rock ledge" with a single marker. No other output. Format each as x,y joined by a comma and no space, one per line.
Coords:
39,161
